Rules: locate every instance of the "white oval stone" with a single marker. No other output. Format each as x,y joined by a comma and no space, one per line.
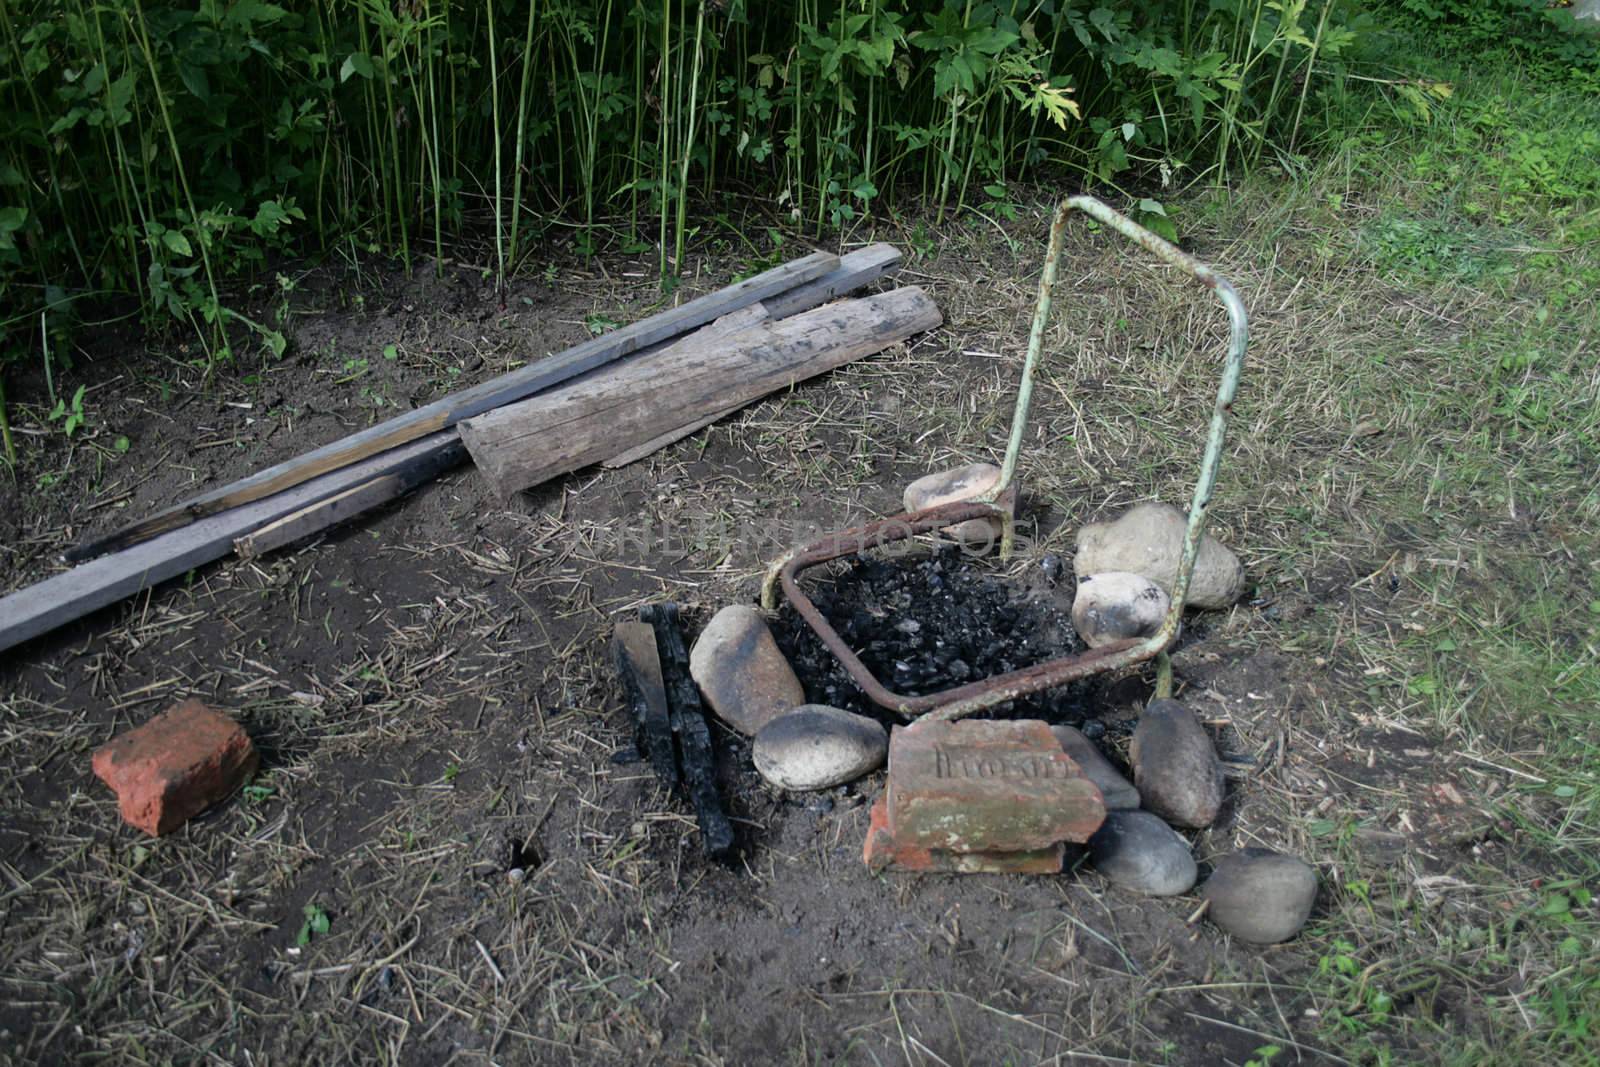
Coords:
1117,605
816,746
1147,539
956,486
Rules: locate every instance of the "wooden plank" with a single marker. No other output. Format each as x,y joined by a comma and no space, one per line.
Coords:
656,444
485,396
855,270
633,646
585,422
43,606
345,506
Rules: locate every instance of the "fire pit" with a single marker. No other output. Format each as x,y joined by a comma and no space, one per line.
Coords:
931,622
963,699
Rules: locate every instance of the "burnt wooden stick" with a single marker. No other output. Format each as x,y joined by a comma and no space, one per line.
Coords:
633,644
72,594
697,760
447,411
584,422
299,525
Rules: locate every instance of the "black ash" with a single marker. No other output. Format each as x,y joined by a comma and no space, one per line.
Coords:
930,623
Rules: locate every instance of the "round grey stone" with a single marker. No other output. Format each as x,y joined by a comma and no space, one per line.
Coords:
1175,766
1116,606
1260,896
816,747
1138,851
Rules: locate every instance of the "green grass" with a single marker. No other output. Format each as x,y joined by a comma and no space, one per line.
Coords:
1475,473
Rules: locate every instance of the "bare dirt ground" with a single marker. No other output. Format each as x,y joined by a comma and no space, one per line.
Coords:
430,689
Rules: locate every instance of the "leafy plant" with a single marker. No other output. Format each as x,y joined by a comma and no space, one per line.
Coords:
186,144
316,923
70,413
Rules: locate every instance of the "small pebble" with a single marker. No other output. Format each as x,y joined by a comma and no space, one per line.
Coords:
1053,567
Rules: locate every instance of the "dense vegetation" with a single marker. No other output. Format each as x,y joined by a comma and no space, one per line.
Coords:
157,150
159,147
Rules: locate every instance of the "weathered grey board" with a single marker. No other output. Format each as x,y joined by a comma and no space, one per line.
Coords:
656,444
561,430
447,411
45,605
342,507
206,525
855,270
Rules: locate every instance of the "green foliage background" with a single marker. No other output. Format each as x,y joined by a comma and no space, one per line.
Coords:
157,148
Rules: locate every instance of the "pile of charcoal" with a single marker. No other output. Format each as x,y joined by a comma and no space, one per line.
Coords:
929,623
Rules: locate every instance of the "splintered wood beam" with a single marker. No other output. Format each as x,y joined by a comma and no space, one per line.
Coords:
584,422
447,411
855,270
43,606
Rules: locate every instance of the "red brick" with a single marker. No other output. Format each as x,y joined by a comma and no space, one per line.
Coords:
881,852
175,766
987,786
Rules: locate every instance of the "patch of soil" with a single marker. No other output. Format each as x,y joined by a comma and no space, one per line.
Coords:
432,694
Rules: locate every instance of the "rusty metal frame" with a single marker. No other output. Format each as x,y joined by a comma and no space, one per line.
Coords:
988,692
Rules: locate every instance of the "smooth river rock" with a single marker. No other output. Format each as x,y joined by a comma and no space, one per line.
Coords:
1147,539
816,746
1260,896
741,672
1117,791
1138,851
1117,605
953,486
1175,765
